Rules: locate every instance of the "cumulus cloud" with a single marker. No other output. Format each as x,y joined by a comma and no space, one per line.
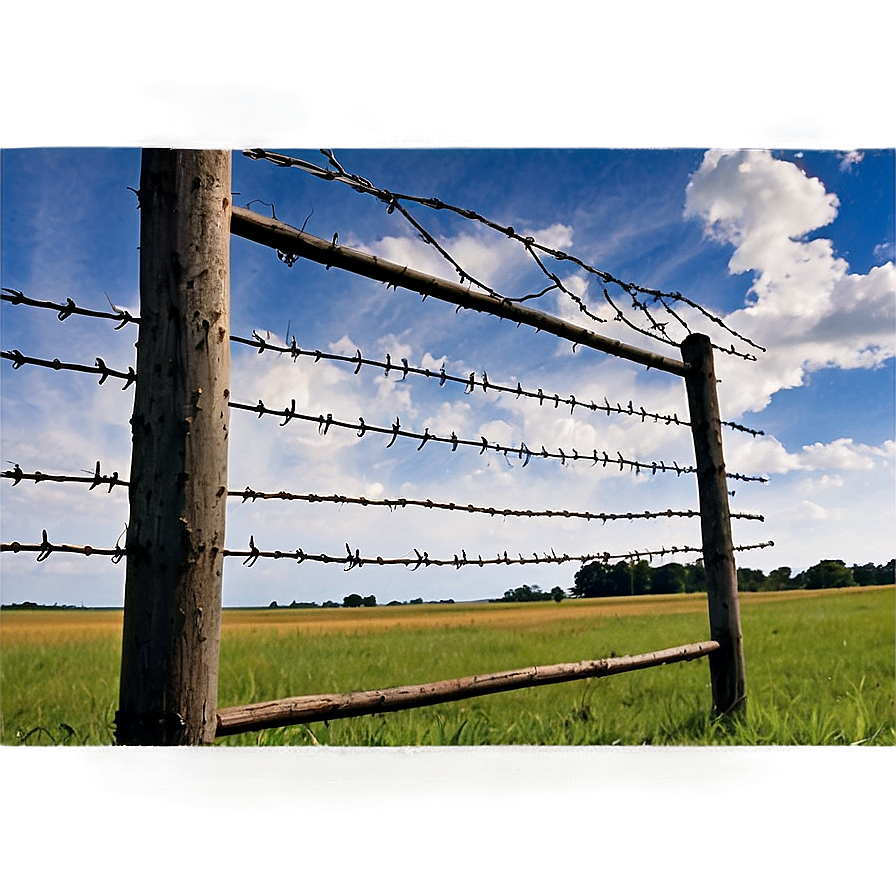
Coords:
805,306
767,456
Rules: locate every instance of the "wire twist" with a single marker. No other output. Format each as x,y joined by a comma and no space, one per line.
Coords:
352,559
46,548
394,201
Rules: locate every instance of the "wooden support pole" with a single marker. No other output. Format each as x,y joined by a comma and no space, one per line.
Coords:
178,481
726,665
322,707
271,232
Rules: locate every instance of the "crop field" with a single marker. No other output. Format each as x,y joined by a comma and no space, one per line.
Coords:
820,670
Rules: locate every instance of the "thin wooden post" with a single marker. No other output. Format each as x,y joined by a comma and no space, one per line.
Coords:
726,665
178,481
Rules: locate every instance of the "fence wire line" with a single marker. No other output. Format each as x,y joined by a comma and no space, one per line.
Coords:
249,494
362,428
46,548
17,475
100,368
393,201
354,560
395,432
470,383
69,308
522,450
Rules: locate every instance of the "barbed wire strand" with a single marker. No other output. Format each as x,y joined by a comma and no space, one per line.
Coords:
100,368
353,559
17,475
70,307
66,310
395,430
249,494
394,202
325,423
46,548
470,382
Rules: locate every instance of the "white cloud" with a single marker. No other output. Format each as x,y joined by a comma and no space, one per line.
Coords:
810,510
806,308
845,454
851,158
766,455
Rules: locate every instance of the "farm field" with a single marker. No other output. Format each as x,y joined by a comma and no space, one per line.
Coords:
820,670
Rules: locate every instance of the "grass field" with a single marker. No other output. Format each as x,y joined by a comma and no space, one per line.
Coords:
820,670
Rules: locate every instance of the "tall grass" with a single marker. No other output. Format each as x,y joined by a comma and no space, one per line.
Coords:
820,670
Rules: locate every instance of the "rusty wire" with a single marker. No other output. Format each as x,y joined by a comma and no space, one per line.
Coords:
17,475
394,202
248,494
361,428
353,559
46,548
100,367
521,451
470,382
69,308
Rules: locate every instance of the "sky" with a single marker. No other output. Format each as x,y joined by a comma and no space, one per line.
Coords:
792,249
793,246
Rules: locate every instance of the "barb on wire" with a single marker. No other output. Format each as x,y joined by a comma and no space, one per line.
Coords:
46,548
395,201
470,383
97,479
352,559
100,367
521,451
122,315
248,494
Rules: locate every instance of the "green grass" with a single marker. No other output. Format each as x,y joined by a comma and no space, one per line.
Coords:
820,670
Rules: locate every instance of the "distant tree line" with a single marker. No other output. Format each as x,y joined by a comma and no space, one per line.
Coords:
527,593
615,580
350,600
31,605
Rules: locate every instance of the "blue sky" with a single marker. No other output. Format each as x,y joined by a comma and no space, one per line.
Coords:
613,130
793,248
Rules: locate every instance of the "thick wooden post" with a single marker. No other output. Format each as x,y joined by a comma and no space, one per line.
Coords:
178,481
726,665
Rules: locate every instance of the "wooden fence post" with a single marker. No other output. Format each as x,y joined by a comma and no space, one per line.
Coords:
178,481
726,665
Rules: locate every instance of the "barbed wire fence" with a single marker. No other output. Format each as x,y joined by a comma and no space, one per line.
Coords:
523,452
149,718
